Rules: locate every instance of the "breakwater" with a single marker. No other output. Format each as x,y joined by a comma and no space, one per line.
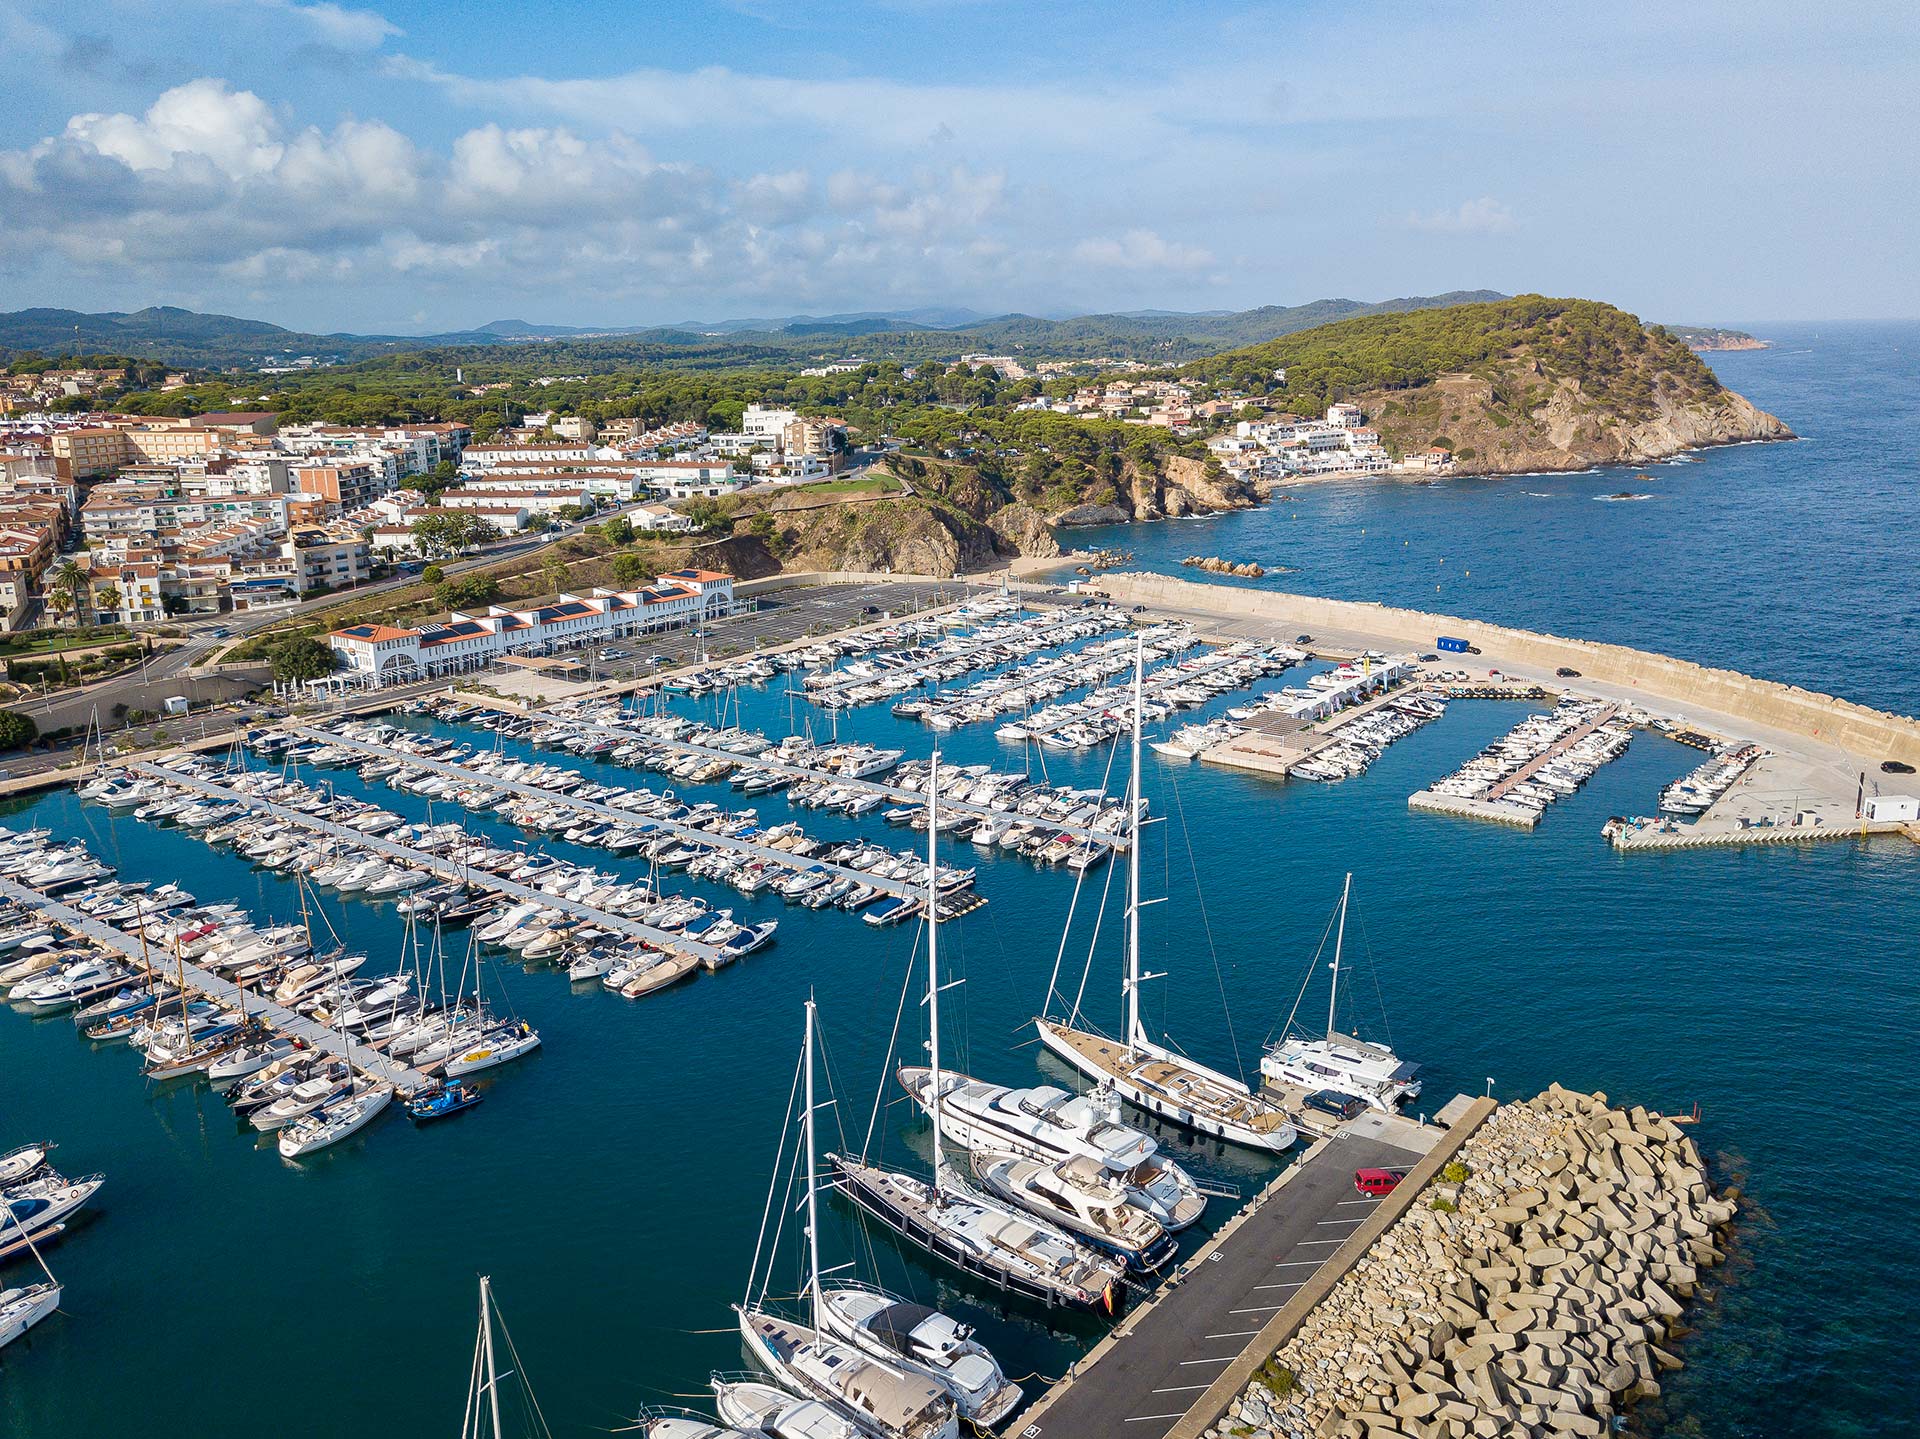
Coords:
1530,1287
1656,679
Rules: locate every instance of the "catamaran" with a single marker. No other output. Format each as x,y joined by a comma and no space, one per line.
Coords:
1152,1076
1344,1063
949,1217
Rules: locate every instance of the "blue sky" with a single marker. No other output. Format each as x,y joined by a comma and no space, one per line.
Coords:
422,166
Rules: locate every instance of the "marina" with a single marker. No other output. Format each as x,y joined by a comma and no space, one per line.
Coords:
1541,759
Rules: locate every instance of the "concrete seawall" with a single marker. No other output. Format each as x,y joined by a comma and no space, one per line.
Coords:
1665,682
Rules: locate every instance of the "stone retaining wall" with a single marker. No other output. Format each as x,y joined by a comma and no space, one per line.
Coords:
1533,1297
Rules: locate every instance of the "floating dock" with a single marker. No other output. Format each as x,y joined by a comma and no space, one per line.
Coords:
906,889
708,955
310,1032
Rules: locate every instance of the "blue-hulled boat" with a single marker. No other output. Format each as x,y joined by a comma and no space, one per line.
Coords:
442,1100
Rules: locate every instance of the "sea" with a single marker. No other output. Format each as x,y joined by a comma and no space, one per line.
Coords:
613,1184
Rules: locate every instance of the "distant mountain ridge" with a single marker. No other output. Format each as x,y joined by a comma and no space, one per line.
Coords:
193,338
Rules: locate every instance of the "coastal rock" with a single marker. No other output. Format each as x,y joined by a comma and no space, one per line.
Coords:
1026,530
1089,515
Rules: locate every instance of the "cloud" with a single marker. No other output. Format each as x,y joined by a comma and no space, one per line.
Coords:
336,26
1484,216
1141,250
209,182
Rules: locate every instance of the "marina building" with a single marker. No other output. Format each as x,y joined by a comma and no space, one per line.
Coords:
387,654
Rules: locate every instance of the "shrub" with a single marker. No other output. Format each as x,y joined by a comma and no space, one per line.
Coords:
301,658
1442,1205
1276,1378
16,730
1455,1173
433,574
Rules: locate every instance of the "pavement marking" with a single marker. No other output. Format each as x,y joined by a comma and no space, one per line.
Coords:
1324,1222
1346,1202
1149,1418
1304,1243
1295,1284
1182,1388
1258,1309
1300,1264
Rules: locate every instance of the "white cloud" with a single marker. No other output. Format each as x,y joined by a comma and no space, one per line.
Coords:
209,182
337,26
1141,250
1484,216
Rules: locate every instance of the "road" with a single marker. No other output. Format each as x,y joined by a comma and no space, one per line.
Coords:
1142,1386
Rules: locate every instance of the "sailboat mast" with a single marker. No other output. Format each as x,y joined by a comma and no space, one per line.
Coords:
813,1184
933,960
486,1340
1134,1031
1339,938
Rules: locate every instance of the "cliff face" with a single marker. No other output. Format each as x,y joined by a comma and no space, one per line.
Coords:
1519,421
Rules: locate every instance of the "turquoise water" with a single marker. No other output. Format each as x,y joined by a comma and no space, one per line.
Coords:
613,1182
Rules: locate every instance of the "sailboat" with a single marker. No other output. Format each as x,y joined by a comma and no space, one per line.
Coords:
881,1400
1152,1076
483,1417
982,1235
1344,1063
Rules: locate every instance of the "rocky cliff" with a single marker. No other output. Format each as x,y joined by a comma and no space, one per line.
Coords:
1517,420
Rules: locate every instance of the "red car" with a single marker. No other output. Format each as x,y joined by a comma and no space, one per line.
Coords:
1377,1182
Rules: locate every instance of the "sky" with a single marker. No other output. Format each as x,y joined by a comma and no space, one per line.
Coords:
427,165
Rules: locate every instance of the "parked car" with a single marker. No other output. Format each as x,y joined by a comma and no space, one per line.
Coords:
871,610
1567,674
1303,639
1139,609
1332,1101
1429,659
1377,1182
1896,766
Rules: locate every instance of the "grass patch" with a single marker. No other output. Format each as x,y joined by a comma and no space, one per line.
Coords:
1276,1378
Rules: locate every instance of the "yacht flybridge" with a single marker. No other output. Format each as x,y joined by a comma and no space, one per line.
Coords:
1343,1063
1152,1076
977,1232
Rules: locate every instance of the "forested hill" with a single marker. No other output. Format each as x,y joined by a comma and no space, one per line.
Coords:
186,337
1618,362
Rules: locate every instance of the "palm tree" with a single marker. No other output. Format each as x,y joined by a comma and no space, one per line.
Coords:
73,585
107,597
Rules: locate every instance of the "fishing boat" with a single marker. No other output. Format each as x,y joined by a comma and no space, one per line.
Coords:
1343,1063
439,1101
882,1399
1152,1076
948,1217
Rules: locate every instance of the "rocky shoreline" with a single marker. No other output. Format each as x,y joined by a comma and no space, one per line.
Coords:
1533,1289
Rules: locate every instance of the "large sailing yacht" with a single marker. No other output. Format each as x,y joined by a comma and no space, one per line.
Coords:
948,1216
1149,1075
882,1399
1344,1063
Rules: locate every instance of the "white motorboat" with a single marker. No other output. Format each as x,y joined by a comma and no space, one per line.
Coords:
761,1409
238,1064
303,1099
1343,1063
18,1164
1081,1197
22,1308
916,1337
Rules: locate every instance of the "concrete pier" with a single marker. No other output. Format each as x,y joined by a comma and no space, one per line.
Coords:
1141,1381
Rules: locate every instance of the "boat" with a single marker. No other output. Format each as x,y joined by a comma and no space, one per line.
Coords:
1151,1076
881,1399
41,1203
1050,1124
946,1216
763,1410
485,1413
22,1308
441,1100
498,1045
1343,1063
23,1162
917,1337
1081,1197
663,1422
334,1121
